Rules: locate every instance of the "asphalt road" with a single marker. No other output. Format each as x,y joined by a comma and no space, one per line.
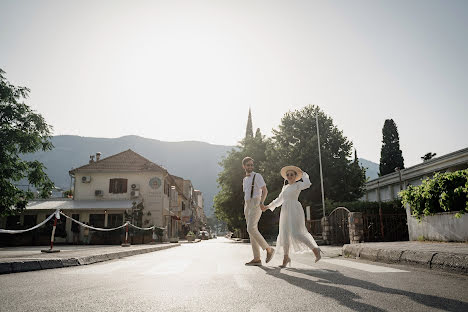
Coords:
211,276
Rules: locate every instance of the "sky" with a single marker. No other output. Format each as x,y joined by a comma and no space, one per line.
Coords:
190,70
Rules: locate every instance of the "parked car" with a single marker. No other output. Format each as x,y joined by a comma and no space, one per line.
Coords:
204,235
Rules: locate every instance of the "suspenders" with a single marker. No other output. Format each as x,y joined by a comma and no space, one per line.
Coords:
252,189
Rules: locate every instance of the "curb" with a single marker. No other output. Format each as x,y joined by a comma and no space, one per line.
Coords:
448,262
44,264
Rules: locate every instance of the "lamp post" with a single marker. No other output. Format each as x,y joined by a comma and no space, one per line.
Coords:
399,173
320,162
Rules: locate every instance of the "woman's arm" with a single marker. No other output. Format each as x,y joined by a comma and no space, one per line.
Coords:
276,203
305,181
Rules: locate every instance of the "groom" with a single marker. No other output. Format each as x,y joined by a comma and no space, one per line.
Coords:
255,192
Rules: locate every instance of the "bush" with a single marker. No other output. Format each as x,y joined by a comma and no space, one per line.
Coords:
445,192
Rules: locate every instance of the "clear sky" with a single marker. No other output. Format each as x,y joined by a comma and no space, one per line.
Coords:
189,70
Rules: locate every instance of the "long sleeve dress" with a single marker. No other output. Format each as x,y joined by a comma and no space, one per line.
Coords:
292,230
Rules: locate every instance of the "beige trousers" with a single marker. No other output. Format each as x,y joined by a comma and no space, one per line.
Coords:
252,214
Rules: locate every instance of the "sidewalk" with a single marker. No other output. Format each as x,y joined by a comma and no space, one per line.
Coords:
449,257
30,258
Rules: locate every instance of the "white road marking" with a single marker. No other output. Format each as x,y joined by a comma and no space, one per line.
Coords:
173,267
261,307
242,283
363,266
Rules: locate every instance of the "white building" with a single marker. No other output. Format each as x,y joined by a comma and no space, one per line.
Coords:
105,191
386,188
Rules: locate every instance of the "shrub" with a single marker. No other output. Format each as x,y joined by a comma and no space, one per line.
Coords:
445,192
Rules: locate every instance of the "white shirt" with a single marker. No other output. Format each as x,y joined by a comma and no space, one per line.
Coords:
247,185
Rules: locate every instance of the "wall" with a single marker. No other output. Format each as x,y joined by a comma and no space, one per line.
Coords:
440,227
154,199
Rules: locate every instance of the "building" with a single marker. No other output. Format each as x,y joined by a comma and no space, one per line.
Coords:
107,192
199,206
386,188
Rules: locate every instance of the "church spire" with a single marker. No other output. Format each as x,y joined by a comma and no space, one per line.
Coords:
249,130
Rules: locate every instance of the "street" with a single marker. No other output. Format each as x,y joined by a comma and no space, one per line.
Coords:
211,276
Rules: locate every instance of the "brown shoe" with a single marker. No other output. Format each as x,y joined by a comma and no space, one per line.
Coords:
270,255
254,263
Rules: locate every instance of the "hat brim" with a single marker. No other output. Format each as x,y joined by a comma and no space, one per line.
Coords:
291,168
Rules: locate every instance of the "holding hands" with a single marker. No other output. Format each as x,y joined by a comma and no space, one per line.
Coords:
263,207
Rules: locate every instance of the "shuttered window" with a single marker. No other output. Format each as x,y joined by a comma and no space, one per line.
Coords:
118,186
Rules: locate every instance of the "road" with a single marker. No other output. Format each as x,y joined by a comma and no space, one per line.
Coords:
211,276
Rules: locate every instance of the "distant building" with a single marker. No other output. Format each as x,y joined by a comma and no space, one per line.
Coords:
105,190
386,188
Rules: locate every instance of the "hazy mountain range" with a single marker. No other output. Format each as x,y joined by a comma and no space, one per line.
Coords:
196,161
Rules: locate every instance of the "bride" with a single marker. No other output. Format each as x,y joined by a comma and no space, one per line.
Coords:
292,230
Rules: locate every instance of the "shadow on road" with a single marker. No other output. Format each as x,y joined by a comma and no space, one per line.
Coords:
330,281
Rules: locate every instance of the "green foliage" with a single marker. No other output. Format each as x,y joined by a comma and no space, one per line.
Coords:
190,233
22,131
390,154
229,202
445,192
295,142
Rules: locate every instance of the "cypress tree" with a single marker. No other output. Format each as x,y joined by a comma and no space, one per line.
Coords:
390,154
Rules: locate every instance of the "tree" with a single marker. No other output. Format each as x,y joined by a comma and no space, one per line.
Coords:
295,143
22,131
229,202
428,156
390,155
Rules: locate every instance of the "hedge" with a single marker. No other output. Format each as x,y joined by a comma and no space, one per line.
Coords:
445,192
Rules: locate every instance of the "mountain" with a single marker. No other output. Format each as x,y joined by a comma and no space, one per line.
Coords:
372,169
196,161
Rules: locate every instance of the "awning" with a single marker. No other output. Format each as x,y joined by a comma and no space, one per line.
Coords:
79,204
175,217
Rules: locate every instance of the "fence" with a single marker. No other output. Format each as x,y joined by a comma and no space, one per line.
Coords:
395,227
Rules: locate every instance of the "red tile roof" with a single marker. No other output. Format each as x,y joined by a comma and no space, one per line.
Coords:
124,161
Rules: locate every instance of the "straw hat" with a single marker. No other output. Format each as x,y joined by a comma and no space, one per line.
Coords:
291,168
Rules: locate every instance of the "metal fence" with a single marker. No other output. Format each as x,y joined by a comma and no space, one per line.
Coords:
392,227
314,227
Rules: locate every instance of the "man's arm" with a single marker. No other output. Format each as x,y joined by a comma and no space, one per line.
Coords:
264,195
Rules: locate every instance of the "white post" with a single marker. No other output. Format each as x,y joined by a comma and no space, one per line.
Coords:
308,213
320,162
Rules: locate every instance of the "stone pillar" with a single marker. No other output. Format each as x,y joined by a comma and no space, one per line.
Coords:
356,231
326,231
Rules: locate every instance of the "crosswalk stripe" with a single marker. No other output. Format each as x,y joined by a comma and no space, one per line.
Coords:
363,266
242,283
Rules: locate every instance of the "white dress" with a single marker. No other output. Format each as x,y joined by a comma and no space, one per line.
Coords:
292,230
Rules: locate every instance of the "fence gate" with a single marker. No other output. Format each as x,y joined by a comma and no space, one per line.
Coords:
339,226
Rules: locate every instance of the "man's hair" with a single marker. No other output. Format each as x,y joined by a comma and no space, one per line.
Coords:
246,159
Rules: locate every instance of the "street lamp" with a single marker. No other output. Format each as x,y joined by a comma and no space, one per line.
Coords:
399,173
320,162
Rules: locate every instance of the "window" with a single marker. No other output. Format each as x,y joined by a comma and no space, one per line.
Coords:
118,186
183,206
75,227
13,222
96,220
114,220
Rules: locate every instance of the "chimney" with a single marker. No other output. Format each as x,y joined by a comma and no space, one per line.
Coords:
98,156
91,159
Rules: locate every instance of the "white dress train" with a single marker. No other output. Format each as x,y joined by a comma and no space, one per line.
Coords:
292,230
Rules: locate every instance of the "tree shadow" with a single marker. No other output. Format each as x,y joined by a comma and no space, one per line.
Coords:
328,278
